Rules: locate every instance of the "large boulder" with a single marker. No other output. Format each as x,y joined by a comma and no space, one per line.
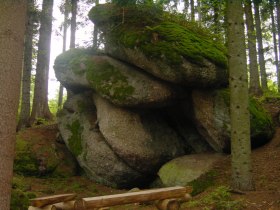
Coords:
212,119
183,170
142,139
77,124
120,83
175,52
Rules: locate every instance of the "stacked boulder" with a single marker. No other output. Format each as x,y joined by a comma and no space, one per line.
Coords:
143,100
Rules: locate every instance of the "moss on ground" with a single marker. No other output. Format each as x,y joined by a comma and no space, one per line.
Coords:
25,161
75,141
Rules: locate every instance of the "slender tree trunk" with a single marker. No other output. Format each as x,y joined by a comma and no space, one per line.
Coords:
73,23
255,87
65,26
278,31
95,32
12,27
275,42
192,11
199,19
239,113
40,108
27,67
260,46
216,17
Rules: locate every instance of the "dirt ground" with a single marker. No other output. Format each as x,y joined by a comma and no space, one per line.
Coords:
266,169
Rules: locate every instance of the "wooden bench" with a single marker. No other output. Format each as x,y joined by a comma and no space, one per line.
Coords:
165,199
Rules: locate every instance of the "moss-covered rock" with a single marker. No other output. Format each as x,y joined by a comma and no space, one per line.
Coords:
174,51
116,81
212,118
193,170
75,140
37,155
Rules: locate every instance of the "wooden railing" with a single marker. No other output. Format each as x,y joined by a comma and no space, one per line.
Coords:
168,198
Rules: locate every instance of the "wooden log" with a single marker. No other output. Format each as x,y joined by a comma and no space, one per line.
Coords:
68,205
130,197
168,204
48,200
48,207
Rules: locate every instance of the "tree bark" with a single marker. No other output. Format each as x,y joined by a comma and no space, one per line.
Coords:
65,26
12,27
255,87
73,23
239,113
192,11
260,46
40,108
273,25
278,30
95,32
26,72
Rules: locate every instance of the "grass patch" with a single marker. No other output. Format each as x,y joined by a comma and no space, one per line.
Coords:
219,199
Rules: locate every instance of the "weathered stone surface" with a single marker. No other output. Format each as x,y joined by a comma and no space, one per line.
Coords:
116,81
143,140
175,52
212,119
179,116
94,155
182,170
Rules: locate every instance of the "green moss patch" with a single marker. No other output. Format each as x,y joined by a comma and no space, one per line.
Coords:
109,81
25,161
75,141
262,127
160,38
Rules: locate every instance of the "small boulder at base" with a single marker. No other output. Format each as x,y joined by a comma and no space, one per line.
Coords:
183,170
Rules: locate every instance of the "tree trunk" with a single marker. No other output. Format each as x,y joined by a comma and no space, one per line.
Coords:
255,87
40,108
199,19
26,72
271,7
65,26
240,119
73,23
192,11
95,32
260,46
278,30
12,27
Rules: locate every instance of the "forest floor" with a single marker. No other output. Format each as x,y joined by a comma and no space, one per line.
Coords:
266,170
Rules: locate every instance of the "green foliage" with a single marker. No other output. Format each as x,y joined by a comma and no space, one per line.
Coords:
219,199
20,196
25,161
20,199
203,182
75,141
